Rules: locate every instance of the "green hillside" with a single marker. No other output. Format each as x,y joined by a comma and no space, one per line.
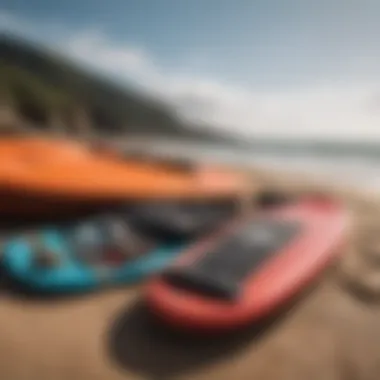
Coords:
43,86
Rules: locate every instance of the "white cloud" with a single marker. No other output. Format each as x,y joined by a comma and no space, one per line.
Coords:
93,48
326,111
350,112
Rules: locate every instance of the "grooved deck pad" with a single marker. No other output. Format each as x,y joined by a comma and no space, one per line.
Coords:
221,272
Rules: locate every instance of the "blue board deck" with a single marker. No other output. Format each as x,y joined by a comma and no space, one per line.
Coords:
107,249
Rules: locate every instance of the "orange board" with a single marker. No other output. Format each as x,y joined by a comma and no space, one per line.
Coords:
70,171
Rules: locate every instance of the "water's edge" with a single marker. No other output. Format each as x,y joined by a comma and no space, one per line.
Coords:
361,171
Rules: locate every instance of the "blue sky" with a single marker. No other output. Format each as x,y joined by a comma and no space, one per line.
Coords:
273,42
271,66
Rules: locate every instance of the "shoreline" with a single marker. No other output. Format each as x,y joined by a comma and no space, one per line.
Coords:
318,173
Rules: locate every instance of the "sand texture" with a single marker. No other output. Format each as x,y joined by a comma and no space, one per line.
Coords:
331,332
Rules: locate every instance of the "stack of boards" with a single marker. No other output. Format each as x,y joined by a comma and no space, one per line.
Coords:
211,269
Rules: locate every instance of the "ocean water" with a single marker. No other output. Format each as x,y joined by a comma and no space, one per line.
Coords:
357,165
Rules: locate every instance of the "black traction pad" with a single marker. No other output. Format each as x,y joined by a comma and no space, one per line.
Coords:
178,220
221,272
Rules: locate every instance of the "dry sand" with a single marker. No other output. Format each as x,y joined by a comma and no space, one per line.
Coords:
330,333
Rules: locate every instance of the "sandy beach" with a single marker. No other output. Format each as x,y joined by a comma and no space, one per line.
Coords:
288,95
331,332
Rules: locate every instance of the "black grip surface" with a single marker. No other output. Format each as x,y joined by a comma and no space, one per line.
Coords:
221,272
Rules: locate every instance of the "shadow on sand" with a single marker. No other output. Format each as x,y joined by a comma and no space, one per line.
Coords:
139,342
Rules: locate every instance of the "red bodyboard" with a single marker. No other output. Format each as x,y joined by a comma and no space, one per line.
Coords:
324,227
